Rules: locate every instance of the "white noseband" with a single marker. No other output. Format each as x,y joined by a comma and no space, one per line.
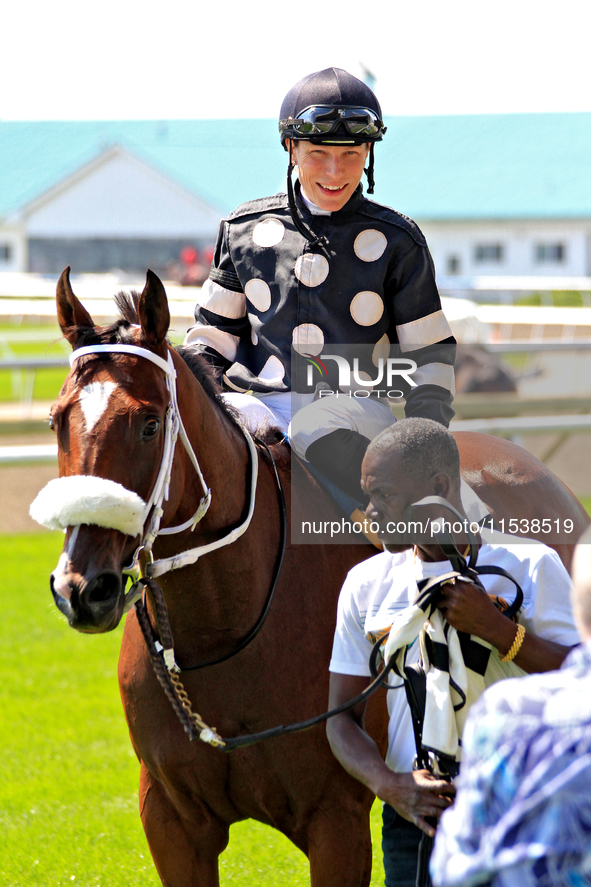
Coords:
81,499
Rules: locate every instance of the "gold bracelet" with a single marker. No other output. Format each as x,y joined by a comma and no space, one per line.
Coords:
516,645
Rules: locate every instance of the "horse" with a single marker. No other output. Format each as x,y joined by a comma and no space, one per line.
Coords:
478,371
112,419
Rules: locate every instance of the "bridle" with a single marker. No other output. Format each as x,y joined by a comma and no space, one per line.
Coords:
154,507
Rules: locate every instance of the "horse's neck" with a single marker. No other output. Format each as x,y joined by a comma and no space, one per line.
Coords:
222,453
231,583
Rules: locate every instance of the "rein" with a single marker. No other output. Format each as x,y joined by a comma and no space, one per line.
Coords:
270,594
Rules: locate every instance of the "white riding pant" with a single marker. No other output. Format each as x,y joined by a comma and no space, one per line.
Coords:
305,420
313,419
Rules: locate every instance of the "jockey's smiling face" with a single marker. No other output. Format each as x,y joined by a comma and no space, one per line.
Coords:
329,174
386,479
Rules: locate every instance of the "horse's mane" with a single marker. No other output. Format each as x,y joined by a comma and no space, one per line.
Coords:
121,333
205,375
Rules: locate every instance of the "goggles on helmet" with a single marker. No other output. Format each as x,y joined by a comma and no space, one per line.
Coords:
321,120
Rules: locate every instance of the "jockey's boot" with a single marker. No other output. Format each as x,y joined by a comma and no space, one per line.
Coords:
338,456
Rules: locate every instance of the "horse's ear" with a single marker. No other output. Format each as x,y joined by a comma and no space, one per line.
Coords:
153,310
70,312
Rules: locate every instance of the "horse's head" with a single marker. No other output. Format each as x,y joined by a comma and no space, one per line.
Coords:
109,420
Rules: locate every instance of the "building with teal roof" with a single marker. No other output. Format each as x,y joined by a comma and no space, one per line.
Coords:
495,194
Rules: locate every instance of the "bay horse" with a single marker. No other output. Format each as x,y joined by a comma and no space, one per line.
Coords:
111,419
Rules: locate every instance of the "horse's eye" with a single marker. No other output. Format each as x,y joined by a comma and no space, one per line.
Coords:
151,428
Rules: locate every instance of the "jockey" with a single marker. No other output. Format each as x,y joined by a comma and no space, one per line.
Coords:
298,275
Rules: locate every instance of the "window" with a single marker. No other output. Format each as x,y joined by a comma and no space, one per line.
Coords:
550,252
488,252
5,252
453,265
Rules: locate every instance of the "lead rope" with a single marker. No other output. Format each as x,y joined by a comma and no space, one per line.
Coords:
168,675
162,652
193,724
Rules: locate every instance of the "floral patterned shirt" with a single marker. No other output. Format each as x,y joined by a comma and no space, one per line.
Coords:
522,815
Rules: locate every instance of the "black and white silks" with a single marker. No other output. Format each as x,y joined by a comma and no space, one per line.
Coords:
367,280
454,664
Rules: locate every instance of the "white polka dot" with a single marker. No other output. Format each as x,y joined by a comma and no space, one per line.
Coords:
273,371
308,339
254,323
363,382
311,269
381,350
366,308
269,232
258,293
370,245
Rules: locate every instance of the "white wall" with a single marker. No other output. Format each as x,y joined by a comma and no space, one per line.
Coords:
119,196
518,239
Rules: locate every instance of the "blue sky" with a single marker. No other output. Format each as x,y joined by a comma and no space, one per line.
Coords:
122,59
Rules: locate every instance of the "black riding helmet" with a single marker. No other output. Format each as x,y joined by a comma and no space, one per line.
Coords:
330,107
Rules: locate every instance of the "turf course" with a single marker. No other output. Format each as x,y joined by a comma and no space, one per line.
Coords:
68,776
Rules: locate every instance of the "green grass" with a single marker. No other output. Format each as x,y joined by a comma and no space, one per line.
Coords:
557,298
46,384
68,777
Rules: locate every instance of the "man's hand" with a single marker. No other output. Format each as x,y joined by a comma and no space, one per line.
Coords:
418,796
467,607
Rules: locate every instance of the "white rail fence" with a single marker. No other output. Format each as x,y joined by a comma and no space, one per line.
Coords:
501,415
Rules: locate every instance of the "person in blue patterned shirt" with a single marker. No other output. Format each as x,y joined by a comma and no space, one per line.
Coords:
522,814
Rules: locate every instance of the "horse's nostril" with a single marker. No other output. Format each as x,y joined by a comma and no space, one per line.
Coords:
105,588
61,602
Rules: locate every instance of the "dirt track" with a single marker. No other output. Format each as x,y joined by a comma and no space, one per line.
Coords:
20,484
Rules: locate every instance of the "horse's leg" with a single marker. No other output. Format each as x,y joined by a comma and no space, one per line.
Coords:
185,854
339,847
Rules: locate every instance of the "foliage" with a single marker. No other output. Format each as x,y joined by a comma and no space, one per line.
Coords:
68,793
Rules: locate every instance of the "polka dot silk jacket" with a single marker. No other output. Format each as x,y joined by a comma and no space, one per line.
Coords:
368,280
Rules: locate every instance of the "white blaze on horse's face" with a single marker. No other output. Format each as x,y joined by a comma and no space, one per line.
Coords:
94,398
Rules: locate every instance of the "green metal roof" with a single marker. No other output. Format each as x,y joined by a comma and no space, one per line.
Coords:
494,166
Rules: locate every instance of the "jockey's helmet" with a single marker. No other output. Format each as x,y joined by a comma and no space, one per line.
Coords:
331,107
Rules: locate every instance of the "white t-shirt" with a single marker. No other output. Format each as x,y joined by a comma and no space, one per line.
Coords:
376,589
